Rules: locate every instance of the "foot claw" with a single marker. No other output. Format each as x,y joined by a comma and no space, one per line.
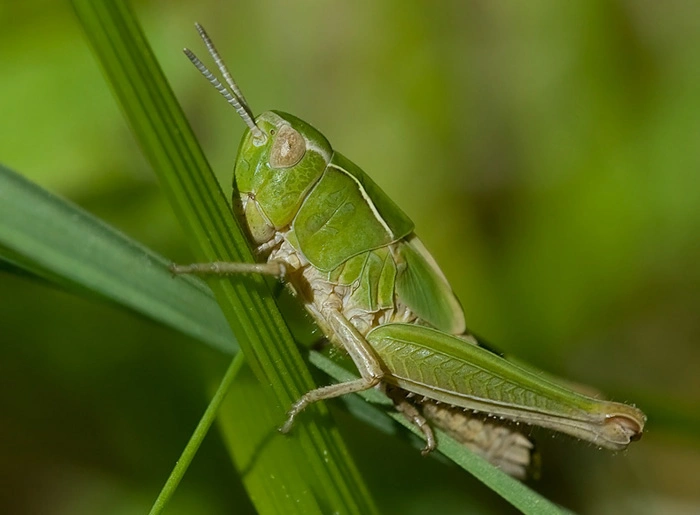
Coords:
429,447
287,426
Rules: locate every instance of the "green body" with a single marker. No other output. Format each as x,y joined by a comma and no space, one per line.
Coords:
292,186
350,255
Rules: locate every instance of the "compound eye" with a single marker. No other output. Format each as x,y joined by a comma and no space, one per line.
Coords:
288,149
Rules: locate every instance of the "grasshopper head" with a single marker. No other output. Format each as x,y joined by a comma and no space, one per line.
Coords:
280,158
274,174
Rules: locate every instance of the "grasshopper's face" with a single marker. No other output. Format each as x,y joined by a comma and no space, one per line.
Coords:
274,173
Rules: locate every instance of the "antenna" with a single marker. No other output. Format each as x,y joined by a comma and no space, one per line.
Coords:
234,97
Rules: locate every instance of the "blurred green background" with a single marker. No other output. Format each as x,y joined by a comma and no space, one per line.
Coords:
548,152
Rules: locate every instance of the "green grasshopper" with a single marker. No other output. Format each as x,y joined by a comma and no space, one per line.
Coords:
350,255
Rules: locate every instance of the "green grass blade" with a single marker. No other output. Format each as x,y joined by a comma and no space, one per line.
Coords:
315,450
60,242
232,374
236,424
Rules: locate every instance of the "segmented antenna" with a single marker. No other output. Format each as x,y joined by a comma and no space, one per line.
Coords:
236,99
221,65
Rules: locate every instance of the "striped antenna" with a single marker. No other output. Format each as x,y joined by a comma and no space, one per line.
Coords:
235,96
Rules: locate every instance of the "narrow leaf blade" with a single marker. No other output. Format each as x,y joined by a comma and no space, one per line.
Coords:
167,141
